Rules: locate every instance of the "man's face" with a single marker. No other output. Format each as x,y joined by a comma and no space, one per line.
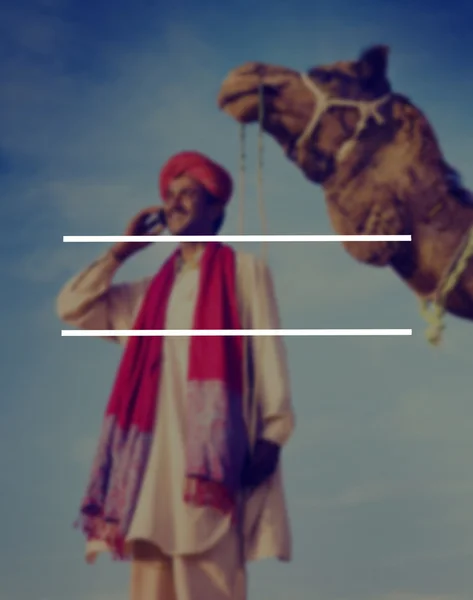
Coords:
187,209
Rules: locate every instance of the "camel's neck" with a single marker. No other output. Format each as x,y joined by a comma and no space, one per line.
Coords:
401,159
396,182
368,149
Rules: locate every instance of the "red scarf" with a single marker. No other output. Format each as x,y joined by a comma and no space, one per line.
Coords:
216,433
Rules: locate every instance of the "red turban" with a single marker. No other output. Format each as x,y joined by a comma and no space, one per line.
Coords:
213,177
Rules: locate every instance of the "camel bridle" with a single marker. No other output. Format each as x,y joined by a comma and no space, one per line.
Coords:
367,109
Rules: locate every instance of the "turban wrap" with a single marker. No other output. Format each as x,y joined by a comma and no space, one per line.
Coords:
213,177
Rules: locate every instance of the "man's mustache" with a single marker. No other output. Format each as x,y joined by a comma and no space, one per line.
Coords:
177,211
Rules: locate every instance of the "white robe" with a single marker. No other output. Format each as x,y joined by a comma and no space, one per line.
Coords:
90,301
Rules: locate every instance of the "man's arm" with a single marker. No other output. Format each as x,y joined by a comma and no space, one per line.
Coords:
90,301
270,360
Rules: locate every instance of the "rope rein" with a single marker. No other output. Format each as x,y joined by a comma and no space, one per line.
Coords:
242,176
241,204
251,381
434,311
261,204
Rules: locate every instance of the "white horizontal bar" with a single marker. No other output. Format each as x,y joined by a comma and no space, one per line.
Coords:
233,332
237,238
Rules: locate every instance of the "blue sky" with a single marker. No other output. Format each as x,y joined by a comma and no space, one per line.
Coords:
94,98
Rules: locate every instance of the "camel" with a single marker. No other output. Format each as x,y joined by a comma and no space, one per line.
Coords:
378,161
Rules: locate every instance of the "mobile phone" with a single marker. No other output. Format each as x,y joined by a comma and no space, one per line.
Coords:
153,219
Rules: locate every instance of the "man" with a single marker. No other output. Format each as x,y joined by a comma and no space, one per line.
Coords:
186,481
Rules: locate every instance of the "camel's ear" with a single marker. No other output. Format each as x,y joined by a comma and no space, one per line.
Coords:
373,63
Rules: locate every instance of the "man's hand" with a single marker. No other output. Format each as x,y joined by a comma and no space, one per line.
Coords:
262,464
137,226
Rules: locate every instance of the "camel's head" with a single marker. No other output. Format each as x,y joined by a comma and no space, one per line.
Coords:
291,104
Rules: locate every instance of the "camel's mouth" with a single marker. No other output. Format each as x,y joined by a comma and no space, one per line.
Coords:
228,97
243,105
242,91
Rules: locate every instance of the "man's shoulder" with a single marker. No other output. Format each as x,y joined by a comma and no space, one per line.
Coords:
252,271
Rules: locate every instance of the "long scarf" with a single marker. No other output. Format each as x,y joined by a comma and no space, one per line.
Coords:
216,434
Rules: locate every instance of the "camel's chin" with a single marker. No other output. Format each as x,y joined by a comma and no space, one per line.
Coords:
242,110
